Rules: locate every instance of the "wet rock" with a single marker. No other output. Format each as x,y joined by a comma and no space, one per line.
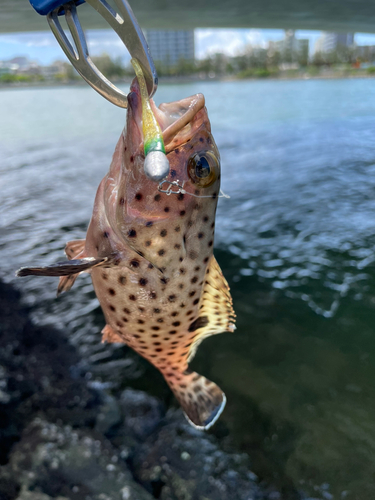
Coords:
182,463
142,413
36,376
58,461
109,414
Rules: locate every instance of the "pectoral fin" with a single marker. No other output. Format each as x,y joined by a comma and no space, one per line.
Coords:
65,268
216,313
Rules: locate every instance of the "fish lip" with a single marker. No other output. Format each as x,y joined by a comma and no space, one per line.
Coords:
133,212
135,105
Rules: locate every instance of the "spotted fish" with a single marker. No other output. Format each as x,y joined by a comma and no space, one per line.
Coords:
150,253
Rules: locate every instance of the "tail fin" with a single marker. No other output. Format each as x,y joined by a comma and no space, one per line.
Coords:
202,400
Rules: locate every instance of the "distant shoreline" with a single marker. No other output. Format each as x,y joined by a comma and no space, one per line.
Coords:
193,79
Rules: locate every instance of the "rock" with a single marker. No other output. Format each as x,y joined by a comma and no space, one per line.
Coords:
109,414
182,463
58,461
142,413
36,375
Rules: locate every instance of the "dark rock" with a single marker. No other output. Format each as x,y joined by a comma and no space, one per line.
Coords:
64,454
182,463
56,460
142,413
36,376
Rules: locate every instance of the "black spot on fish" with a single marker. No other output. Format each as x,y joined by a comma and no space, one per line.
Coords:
134,263
200,235
176,323
172,298
196,302
177,246
106,234
138,196
132,297
112,308
210,243
182,213
143,282
122,201
201,139
161,252
122,280
164,280
149,223
194,279
132,233
180,197
148,243
205,260
177,229
157,197
132,159
153,295
166,209
205,218
163,233
191,294
200,322
111,291
214,195
173,173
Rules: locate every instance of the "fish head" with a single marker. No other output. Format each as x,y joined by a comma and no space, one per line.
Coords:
165,226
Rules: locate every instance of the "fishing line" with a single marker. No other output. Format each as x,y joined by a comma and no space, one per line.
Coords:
181,190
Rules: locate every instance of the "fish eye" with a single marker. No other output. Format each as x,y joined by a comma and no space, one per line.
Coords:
203,168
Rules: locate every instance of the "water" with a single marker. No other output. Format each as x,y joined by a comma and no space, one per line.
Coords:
295,240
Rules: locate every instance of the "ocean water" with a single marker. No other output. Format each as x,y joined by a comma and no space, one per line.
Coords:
295,240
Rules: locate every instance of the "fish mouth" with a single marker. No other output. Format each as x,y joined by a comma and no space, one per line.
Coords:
134,213
178,120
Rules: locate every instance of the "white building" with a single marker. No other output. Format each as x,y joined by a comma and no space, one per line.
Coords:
168,47
292,49
329,42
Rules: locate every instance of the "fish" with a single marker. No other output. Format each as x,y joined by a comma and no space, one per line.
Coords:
149,251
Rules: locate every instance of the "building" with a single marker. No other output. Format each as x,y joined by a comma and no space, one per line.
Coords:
292,50
168,47
329,42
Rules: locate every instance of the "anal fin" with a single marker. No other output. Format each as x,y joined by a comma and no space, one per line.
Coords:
65,268
109,335
202,400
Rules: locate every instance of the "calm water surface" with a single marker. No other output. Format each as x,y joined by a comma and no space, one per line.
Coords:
296,241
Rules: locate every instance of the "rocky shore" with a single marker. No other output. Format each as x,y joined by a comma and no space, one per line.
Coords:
63,439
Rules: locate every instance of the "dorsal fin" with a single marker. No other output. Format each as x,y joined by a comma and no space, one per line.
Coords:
74,248
216,314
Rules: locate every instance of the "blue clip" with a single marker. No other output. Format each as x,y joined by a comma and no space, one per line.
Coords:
44,7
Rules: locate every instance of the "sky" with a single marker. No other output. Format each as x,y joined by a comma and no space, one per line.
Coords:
43,48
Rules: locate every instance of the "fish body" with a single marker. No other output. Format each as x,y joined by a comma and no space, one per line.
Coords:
153,269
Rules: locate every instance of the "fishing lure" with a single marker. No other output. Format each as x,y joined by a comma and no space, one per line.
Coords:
156,164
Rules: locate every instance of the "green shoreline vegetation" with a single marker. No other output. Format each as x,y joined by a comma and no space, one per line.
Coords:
251,65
